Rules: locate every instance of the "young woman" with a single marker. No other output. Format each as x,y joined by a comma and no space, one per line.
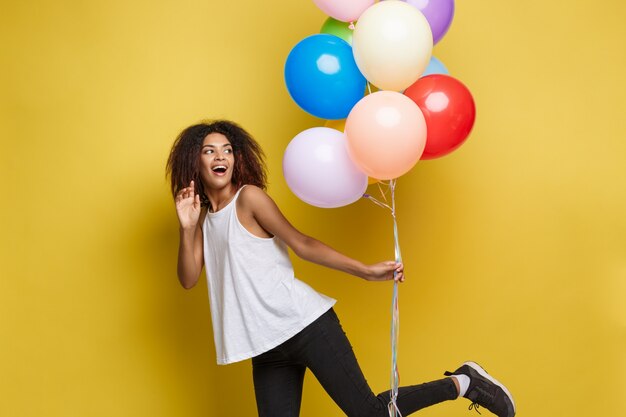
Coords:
229,225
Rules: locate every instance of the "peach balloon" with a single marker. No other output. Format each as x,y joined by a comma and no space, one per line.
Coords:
386,134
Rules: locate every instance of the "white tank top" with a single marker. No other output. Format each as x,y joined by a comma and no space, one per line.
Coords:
256,301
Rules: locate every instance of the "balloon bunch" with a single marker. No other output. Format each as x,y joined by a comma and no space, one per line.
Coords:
420,111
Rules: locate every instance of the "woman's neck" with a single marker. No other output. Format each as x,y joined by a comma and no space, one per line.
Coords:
219,198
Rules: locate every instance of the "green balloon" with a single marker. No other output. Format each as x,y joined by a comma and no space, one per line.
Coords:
340,29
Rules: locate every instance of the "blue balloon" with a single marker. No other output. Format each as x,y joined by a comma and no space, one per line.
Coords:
435,66
322,77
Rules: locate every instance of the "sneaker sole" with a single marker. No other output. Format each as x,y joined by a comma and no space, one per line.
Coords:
484,374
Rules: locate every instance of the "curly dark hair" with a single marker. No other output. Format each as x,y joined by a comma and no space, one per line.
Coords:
183,164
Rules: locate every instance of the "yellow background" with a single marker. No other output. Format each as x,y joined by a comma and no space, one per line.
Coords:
514,245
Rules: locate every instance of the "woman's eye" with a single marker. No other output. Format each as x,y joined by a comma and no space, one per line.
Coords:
228,151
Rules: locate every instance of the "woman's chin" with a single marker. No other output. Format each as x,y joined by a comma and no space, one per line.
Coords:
218,182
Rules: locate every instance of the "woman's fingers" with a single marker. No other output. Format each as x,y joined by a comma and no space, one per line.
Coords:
399,272
182,192
387,270
186,192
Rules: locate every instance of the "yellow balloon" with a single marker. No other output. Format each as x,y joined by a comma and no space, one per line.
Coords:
371,180
392,44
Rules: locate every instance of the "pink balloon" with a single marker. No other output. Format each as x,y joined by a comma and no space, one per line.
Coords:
319,171
386,134
344,10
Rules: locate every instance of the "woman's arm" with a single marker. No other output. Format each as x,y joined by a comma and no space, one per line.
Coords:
190,251
270,218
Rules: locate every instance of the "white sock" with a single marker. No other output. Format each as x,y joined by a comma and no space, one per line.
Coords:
464,382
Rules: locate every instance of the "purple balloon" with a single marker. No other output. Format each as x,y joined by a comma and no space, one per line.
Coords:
319,171
439,14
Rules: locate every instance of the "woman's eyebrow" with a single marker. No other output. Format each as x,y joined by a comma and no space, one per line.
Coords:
215,146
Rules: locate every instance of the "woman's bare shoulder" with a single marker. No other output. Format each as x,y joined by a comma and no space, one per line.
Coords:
252,194
255,200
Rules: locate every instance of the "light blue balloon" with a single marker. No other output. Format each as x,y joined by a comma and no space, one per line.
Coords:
435,66
322,77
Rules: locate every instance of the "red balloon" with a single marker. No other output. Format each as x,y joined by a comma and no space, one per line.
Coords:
448,109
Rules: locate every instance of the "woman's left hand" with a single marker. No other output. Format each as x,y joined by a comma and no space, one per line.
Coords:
384,271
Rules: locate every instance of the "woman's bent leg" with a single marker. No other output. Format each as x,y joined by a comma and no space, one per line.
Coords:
415,397
277,384
326,350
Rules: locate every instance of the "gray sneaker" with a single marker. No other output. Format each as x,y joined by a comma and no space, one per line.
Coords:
485,391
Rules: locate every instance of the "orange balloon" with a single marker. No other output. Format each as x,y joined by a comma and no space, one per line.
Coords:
386,134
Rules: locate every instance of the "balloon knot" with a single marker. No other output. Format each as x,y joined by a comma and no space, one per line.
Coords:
351,26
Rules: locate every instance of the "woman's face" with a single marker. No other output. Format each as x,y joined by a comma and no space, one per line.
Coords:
216,161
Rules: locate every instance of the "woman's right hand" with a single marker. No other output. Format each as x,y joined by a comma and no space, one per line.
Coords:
188,207
385,271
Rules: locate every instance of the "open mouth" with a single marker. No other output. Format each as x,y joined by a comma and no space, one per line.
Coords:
219,169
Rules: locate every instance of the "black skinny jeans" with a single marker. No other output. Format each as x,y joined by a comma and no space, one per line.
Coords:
324,348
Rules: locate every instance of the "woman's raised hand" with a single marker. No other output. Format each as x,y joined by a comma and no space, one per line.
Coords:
188,206
384,271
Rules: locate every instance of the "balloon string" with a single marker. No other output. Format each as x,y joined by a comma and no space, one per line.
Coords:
393,409
381,191
375,201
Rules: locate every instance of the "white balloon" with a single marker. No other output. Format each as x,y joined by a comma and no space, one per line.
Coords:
318,169
392,44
